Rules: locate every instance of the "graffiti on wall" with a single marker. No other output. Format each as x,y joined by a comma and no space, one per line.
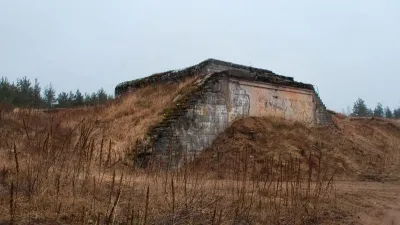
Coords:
275,101
240,103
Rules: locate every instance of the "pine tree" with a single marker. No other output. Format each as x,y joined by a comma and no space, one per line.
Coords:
396,113
49,96
93,99
63,101
102,96
24,96
79,100
370,112
360,108
6,91
388,113
87,99
37,99
71,99
378,111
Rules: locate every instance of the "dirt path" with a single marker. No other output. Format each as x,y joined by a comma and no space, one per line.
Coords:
370,203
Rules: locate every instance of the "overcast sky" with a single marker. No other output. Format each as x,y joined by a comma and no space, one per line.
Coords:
345,48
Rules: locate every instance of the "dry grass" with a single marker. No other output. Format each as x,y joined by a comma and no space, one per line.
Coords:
360,149
69,167
126,120
56,170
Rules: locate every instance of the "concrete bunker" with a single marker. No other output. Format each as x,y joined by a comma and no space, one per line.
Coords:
221,93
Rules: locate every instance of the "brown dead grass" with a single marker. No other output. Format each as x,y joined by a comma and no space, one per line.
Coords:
358,149
59,170
126,120
68,167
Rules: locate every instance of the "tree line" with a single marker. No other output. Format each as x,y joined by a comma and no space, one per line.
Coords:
23,93
360,109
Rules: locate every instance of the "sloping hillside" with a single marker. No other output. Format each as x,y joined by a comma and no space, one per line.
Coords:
364,148
127,119
64,168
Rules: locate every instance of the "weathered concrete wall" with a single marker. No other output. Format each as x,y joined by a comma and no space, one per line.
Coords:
271,100
205,117
221,100
322,116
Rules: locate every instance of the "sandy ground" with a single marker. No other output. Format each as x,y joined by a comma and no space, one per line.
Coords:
369,203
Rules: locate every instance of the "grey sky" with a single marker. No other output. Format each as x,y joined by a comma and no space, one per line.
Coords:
347,49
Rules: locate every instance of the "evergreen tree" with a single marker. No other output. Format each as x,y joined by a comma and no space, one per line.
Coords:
378,111
93,99
79,99
6,91
370,112
71,98
360,108
37,99
396,113
388,113
24,96
87,99
49,96
63,100
102,96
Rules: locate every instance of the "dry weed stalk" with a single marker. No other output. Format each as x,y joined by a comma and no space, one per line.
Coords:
71,175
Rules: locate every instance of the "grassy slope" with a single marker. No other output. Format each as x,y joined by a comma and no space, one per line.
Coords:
126,120
61,168
358,149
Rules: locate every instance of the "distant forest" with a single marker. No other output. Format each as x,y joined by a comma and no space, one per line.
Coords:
360,109
27,94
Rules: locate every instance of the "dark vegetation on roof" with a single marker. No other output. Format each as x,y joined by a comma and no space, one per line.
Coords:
177,75
266,78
